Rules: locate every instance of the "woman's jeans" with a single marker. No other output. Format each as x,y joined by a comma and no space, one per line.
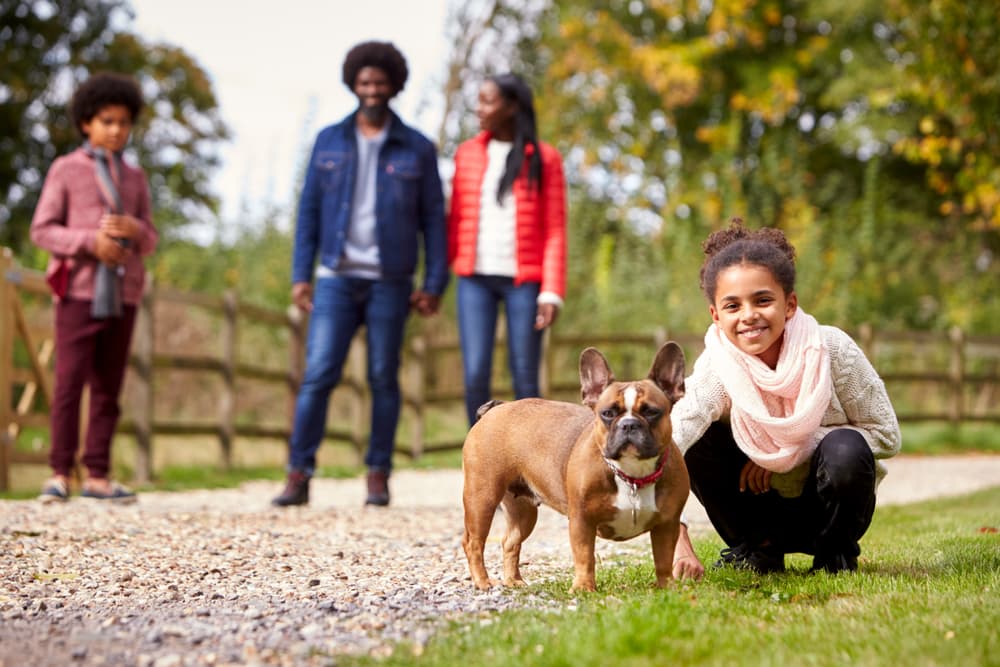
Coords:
833,512
341,305
479,299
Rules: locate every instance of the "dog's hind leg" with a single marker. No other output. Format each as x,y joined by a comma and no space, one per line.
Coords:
521,512
480,507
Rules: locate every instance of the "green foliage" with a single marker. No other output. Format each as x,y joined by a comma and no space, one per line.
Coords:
925,594
46,50
866,130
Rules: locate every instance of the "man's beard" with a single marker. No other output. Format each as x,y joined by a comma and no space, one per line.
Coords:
375,113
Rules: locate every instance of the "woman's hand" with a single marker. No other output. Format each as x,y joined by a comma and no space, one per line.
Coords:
755,478
546,316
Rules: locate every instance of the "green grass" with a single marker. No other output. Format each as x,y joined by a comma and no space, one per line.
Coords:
927,593
944,438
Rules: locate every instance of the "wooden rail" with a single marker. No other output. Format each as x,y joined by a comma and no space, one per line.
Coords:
970,389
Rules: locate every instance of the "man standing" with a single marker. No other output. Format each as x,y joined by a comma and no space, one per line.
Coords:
372,192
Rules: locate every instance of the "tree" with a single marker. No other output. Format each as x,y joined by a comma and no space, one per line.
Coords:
828,119
45,52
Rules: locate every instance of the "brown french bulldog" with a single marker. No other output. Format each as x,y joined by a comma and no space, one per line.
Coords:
611,467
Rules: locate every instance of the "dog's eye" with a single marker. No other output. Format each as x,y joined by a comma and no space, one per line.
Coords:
651,414
608,414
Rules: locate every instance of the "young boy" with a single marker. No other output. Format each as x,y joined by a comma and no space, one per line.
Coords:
94,217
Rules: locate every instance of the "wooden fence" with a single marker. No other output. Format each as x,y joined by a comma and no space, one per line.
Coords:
966,382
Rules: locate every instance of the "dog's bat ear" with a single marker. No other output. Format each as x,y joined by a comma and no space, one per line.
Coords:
668,370
595,375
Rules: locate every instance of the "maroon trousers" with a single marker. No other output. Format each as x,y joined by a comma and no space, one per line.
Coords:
93,353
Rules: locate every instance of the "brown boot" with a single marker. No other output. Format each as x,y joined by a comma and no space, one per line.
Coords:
378,488
296,490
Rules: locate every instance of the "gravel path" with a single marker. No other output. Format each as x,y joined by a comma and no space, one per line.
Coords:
220,578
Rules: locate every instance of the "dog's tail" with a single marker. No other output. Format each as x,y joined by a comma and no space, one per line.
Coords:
486,407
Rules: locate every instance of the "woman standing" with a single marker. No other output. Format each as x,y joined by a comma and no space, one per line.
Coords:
506,238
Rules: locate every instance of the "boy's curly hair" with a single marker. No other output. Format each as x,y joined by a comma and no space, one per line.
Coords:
383,55
101,90
766,247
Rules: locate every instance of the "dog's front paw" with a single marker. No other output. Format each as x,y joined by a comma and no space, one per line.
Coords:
585,585
485,584
517,583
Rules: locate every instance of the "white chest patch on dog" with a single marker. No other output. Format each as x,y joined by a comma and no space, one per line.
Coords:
636,510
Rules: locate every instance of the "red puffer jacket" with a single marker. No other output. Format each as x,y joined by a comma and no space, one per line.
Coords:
541,217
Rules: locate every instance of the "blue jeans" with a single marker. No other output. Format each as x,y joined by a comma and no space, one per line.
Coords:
479,299
341,305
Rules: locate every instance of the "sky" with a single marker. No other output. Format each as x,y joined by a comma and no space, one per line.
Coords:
276,71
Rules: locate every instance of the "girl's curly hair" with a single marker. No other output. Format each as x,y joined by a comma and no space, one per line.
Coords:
383,55
101,90
766,247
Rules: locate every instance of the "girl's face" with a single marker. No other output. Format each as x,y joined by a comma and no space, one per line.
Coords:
751,309
109,128
495,112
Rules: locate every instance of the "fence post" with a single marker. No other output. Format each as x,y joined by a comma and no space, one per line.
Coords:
866,338
143,419
296,357
417,393
956,371
545,372
6,365
359,404
227,401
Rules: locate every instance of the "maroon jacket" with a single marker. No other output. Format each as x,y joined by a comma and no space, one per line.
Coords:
68,214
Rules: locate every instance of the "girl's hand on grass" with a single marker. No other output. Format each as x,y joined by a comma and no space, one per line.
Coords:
686,563
755,478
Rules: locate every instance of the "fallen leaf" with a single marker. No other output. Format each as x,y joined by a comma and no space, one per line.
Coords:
989,529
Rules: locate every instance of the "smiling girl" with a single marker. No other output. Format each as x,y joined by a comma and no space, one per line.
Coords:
783,419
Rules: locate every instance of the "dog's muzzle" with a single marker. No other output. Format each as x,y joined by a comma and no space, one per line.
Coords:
630,432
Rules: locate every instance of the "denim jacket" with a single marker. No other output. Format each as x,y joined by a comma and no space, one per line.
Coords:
409,204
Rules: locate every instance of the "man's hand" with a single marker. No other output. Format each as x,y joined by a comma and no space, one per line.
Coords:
425,303
302,296
686,562
755,478
546,316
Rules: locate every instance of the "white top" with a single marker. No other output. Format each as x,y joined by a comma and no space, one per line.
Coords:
496,245
859,402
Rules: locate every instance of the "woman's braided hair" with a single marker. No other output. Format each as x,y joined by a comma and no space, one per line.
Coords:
735,245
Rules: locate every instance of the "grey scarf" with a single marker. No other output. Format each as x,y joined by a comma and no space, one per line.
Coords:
108,279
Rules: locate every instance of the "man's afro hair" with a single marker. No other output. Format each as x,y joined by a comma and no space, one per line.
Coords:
383,55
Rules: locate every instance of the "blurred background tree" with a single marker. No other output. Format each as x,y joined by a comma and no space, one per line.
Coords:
49,48
866,130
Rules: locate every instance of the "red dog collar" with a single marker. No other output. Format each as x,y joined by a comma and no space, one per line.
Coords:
639,482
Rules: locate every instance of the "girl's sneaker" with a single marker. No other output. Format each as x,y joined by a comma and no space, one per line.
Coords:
118,493
54,491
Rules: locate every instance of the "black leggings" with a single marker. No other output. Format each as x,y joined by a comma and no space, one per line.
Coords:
833,512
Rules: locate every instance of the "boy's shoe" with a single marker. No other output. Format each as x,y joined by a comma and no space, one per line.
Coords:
760,560
296,490
119,494
834,563
54,491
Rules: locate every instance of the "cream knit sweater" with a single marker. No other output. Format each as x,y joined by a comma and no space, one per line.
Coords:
859,402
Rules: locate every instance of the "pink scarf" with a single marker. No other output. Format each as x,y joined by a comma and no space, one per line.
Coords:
775,413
